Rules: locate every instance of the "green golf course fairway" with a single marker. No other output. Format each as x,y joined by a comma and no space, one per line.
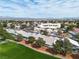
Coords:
16,51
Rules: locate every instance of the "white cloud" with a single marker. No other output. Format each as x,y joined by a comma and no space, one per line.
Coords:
39,8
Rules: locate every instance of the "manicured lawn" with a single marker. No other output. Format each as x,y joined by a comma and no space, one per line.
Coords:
15,51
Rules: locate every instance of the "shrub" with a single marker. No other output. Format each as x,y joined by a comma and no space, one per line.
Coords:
31,39
40,42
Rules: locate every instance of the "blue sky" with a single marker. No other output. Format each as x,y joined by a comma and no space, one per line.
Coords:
39,8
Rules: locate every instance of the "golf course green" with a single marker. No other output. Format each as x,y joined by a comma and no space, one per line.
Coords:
16,51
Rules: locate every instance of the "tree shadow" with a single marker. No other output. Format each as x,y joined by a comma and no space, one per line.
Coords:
75,56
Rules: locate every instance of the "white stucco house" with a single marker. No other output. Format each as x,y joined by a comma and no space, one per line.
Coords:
17,27
9,25
48,26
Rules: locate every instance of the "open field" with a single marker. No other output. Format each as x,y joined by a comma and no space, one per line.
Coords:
14,51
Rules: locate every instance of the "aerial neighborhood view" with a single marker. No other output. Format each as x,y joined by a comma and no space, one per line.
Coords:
39,29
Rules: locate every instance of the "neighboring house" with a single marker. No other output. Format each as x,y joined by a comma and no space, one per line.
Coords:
17,26
28,24
48,26
9,25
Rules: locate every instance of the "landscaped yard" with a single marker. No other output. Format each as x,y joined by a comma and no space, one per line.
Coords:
15,51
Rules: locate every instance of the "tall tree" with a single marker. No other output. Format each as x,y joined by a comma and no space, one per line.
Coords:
5,34
40,42
77,25
63,46
12,26
67,46
31,39
70,27
58,46
4,24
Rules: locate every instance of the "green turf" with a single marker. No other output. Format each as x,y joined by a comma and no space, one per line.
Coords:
15,51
